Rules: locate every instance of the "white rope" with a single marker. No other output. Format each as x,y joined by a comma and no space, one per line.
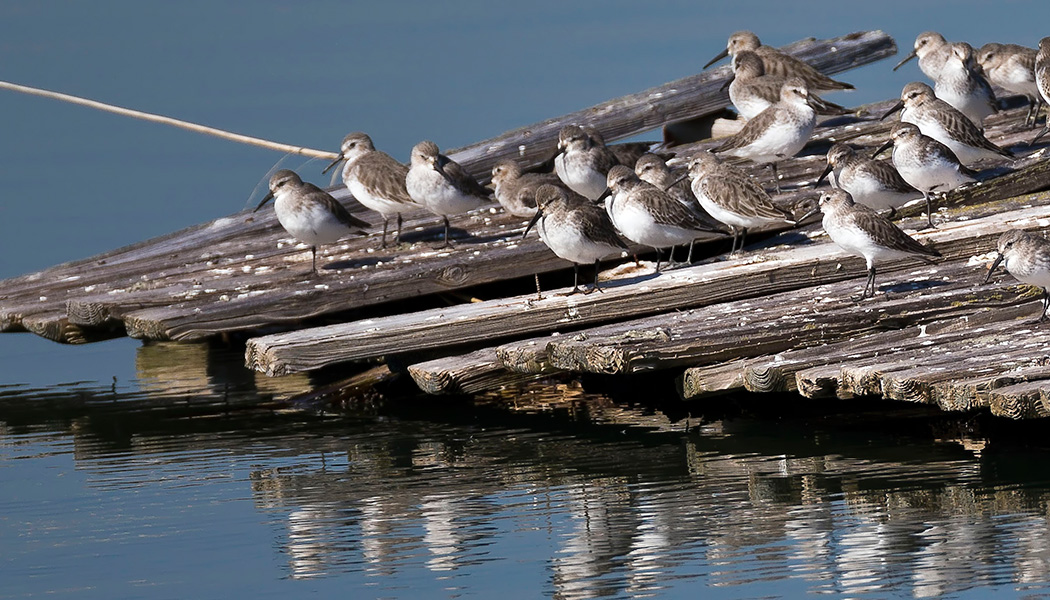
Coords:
127,112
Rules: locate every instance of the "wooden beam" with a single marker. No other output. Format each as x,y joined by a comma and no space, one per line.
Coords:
471,373
679,100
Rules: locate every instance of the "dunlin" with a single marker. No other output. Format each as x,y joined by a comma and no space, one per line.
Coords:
776,133
375,179
1012,67
961,85
647,215
653,168
860,230
308,213
751,90
575,229
941,121
1042,79
442,185
733,197
583,161
1027,257
515,190
932,50
926,164
870,182
778,63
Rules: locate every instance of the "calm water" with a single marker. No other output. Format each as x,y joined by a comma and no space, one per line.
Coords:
102,494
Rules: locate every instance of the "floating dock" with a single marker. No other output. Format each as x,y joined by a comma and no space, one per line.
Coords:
775,318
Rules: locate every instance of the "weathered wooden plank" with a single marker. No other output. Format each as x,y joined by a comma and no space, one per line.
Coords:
1026,400
666,344
745,277
471,373
964,394
55,327
918,383
776,373
526,356
678,100
862,375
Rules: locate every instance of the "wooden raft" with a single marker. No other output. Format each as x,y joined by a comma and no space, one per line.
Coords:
242,273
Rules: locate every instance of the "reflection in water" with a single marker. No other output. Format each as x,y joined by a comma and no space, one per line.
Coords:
585,498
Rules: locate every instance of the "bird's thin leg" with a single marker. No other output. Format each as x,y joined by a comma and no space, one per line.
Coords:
386,222
658,258
1046,304
689,257
313,253
596,269
869,284
776,177
575,279
929,210
447,243
397,238
539,294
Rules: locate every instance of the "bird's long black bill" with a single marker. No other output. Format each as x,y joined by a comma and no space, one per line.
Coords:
827,171
1039,135
807,216
998,259
882,148
264,201
532,222
334,163
725,86
721,55
677,181
898,106
906,59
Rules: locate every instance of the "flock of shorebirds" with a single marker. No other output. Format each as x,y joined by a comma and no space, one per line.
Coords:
595,195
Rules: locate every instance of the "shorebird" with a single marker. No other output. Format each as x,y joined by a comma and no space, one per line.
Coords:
733,197
375,179
1027,257
442,185
778,63
961,85
1042,79
583,161
932,50
1012,67
751,90
941,121
870,182
859,230
776,133
515,190
308,213
647,215
926,164
575,229
653,168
